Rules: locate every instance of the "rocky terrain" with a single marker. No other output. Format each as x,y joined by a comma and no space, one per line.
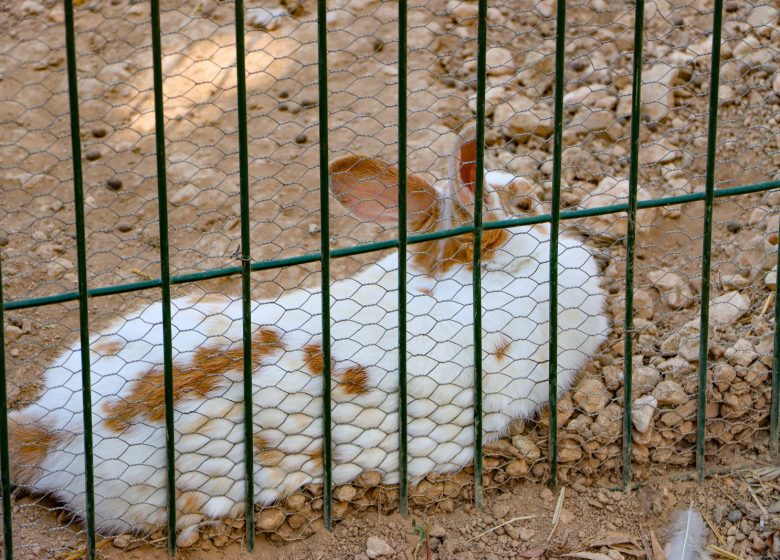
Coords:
117,125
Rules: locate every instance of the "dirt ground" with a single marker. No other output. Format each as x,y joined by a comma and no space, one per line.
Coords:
119,162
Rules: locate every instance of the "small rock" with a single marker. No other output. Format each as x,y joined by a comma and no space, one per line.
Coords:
31,8
438,531
723,375
301,138
270,519
657,91
518,467
92,155
265,18
729,308
499,61
376,547
674,289
98,132
526,534
185,194
527,448
114,184
591,395
770,280
669,393
500,510
761,16
368,479
642,411
645,379
345,493
734,515
124,227
742,353
463,10
566,517
121,541
12,332
521,115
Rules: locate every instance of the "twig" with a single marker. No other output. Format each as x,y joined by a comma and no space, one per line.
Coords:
714,529
767,303
646,543
764,512
658,551
557,514
521,518
725,553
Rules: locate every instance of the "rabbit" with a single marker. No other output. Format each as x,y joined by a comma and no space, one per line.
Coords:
47,453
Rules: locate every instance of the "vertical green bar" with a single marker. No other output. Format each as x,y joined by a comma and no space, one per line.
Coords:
322,71
165,272
403,457
81,244
712,141
633,178
477,264
246,295
774,411
555,211
5,473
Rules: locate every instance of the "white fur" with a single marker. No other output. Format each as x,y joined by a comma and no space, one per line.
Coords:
129,469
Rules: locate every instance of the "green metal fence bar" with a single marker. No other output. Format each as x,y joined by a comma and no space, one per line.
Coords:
633,178
555,212
391,244
246,294
165,273
403,451
774,410
322,71
712,138
5,473
81,258
477,267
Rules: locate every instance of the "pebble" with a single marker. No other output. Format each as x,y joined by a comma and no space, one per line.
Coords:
734,515
98,132
376,547
92,155
31,8
591,395
301,138
742,353
121,541
642,411
729,308
270,519
770,280
669,393
657,92
499,61
645,378
187,539
114,184
674,289
124,227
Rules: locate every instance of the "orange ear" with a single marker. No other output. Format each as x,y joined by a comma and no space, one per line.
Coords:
368,188
467,168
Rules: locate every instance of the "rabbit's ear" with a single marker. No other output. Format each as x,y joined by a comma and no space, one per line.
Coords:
368,188
463,172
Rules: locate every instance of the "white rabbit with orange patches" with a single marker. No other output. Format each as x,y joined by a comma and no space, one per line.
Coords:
127,372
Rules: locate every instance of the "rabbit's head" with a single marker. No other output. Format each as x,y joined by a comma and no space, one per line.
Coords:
368,188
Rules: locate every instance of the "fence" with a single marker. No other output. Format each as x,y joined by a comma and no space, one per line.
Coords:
248,264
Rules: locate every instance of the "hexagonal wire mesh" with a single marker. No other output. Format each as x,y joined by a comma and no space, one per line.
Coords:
202,161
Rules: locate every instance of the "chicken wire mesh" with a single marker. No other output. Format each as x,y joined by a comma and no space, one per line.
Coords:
201,97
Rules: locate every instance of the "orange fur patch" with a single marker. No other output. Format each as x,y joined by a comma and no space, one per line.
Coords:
28,445
260,442
203,375
191,502
313,358
271,457
502,347
354,380
108,347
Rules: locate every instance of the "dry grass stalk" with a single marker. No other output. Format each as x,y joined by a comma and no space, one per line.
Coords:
557,514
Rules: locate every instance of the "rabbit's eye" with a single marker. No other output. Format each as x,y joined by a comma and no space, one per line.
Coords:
522,205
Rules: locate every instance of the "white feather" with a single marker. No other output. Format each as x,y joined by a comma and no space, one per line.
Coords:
689,537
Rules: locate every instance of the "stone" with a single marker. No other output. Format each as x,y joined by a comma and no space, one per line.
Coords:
368,479
657,92
92,155
31,8
673,288
518,467
645,379
345,493
527,448
735,515
643,304
12,332
723,375
500,510
683,412
776,84
462,9
121,541
270,519
264,18
770,280
729,308
569,451
742,353
611,191
658,152
521,115
114,184
499,61
526,534
376,548
642,411
591,395
669,393
187,538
